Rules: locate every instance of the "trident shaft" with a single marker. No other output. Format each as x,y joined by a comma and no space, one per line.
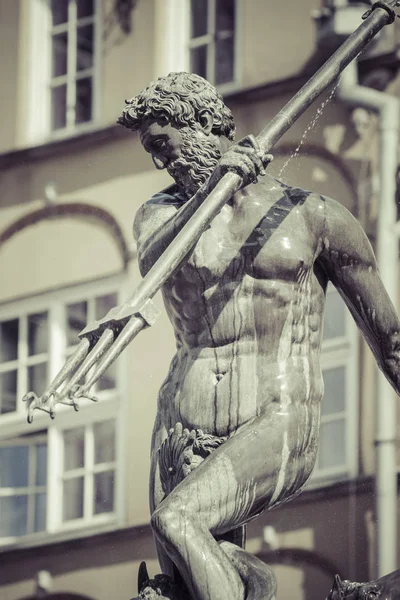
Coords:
103,341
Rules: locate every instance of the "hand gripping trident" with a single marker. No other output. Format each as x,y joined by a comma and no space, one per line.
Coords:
101,342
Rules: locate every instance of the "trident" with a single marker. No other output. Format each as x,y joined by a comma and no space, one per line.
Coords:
101,342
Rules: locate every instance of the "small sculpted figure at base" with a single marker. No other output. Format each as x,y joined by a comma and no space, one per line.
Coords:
237,425
385,588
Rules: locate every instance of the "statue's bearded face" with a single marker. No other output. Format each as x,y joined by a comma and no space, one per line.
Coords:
188,154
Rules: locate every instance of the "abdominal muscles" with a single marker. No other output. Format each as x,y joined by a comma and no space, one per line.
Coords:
242,346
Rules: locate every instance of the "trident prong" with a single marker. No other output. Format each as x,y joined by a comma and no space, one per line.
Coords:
103,344
79,392
133,327
34,401
51,396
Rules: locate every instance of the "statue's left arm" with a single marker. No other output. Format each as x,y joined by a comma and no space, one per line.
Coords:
349,262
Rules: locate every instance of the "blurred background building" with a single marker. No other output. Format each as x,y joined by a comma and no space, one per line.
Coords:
74,520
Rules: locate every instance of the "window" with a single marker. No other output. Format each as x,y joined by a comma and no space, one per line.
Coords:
88,470
200,36
58,474
338,434
25,360
73,57
212,40
23,466
64,85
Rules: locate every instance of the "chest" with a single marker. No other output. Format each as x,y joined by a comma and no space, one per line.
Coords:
265,241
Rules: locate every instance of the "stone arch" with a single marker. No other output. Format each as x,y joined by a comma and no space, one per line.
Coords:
58,246
317,571
78,210
299,557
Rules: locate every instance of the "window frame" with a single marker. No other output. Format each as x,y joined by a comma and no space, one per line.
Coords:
40,79
31,488
173,49
111,405
343,351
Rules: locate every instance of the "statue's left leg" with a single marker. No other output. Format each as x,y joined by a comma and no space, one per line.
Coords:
259,466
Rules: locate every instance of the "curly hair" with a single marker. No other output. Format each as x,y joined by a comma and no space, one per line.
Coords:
179,98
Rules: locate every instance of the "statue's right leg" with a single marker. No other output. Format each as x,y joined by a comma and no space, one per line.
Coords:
156,495
265,462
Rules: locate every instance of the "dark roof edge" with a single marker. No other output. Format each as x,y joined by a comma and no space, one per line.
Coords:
360,486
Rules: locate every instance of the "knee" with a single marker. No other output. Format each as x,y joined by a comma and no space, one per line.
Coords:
166,520
172,520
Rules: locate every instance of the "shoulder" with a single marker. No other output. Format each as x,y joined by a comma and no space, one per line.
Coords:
159,208
170,196
323,214
344,240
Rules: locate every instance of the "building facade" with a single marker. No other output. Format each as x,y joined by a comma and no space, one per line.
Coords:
74,517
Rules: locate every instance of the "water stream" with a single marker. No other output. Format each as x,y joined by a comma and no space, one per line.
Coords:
309,128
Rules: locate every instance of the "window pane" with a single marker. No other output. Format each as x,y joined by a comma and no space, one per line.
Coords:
85,8
103,304
335,323
76,321
41,464
332,448
38,333
83,107
198,61
59,107
104,492
199,16
37,378
335,391
59,54
40,512
224,56
225,15
14,514
8,391
73,499
74,448
9,340
84,56
14,467
104,441
59,10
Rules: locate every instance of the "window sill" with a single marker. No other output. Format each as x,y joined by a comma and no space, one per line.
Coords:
63,144
65,134
66,535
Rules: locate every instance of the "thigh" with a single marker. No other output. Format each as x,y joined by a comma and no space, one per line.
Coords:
263,464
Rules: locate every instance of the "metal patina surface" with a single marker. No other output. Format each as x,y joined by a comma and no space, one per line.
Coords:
247,309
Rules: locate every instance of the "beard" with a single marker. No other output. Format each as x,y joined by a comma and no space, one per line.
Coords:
198,159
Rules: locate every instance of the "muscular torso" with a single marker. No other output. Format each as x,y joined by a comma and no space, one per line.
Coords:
247,310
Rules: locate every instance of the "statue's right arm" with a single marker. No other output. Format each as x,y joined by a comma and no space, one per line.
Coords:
156,224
